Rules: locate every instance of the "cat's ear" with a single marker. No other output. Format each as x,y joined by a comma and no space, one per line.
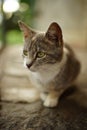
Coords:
27,31
54,34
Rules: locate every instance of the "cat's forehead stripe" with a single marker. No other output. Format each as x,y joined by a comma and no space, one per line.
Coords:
37,41
38,37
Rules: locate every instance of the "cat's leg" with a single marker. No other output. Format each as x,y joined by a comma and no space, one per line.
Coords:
53,98
43,96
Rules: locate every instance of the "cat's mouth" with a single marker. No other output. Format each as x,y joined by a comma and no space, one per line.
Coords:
31,67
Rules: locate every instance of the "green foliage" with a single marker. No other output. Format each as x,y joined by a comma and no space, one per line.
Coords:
11,29
28,15
0,34
14,37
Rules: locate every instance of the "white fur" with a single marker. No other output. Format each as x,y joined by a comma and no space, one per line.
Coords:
51,102
53,98
27,60
25,63
43,96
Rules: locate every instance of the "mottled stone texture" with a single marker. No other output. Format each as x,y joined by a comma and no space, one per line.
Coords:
67,116
70,114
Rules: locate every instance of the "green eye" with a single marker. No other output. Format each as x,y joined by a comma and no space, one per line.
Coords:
25,53
41,54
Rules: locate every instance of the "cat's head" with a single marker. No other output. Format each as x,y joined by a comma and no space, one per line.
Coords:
42,50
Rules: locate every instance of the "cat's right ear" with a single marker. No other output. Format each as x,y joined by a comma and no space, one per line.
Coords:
27,31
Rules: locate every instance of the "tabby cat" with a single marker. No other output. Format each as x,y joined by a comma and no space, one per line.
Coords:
52,64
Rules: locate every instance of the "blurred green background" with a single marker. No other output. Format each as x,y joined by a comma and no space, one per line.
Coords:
70,14
20,10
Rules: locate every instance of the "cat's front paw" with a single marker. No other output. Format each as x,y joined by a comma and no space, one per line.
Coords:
51,102
43,96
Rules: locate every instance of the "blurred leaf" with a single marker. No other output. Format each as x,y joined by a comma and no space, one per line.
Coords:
14,37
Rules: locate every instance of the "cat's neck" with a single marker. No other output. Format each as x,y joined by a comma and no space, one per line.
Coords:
51,71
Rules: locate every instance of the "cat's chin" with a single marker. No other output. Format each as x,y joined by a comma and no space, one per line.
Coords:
32,69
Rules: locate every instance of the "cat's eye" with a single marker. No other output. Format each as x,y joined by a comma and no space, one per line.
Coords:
41,54
25,53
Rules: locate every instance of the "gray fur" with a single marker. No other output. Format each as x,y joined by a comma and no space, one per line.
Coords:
51,43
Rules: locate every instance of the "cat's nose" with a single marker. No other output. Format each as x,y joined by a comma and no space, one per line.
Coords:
28,66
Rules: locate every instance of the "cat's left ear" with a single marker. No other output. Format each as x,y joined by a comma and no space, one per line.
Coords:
28,32
54,34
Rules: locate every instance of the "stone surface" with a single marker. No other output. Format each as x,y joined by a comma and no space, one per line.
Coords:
67,116
70,114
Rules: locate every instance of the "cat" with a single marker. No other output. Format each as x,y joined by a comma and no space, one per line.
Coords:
52,64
